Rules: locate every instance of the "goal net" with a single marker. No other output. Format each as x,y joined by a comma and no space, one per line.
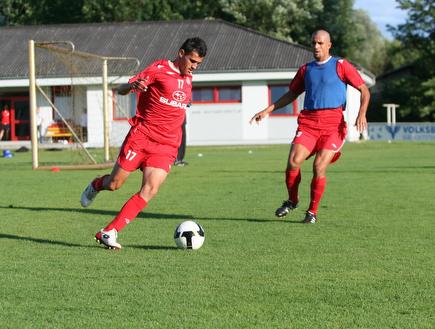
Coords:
71,104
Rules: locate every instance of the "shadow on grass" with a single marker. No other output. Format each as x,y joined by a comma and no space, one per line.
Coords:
238,171
99,212
384,170
284,221
153,215
253,220
68,244
43,241
144,247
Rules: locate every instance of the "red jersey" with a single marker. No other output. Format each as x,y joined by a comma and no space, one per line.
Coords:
161,109
6,117
345,71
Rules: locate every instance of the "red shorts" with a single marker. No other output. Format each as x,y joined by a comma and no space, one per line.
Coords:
321,130
138,151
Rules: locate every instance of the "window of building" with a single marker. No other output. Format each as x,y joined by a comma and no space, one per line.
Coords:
63,101
226,94
203,95
124,106
275,92
230,94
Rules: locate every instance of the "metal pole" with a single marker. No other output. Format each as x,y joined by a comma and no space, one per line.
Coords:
32,93
105,112
389,114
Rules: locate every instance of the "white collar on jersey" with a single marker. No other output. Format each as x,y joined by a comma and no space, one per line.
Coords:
325,61
172,66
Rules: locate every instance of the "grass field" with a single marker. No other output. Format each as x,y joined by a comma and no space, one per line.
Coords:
368,263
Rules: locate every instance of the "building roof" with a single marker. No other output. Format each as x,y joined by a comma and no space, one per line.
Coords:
230,47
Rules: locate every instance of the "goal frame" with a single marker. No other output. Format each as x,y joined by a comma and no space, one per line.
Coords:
33,88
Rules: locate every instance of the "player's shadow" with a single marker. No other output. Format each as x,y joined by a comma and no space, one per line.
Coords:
145,247
100,212
254,220
43,241
68,244
145,215
238,171
386,170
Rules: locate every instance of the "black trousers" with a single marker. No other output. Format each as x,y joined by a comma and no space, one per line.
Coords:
182,147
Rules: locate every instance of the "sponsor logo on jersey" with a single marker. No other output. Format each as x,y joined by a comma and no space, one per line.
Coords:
173,103
179,95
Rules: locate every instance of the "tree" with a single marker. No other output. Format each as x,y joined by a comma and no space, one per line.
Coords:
285,19
417,39
15,12
419,29
144,10
27,12
370,49
337,18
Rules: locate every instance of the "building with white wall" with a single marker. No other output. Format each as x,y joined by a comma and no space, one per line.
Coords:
243,72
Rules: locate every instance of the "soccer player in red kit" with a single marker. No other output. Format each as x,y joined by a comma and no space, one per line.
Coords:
164,90
321,126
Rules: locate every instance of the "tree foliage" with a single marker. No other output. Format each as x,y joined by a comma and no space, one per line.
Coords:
369,47
291,20
414,48
337,19
285,19
27,12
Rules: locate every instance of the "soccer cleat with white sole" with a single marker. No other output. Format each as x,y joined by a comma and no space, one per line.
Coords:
310,218
88,195
108,238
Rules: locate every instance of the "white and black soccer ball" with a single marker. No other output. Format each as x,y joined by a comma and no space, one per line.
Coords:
189,235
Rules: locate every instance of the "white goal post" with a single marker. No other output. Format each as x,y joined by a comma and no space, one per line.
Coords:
64,52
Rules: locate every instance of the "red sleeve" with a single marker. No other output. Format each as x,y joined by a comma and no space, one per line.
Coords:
349,74
148,74
298,84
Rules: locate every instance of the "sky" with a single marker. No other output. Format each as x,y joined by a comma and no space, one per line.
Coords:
382,12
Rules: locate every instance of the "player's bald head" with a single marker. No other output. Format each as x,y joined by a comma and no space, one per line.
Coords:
322,33
321,44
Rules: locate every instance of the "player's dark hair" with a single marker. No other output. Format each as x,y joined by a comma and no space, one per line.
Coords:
195,44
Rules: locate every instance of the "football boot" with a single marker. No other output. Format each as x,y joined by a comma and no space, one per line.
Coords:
88,195
108,238
310,218
285,208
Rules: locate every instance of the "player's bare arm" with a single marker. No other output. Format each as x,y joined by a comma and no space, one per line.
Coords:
284,100
361,120
139,86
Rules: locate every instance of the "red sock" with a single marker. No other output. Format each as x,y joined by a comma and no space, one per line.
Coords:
317,189
97,183
128,212
292,179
